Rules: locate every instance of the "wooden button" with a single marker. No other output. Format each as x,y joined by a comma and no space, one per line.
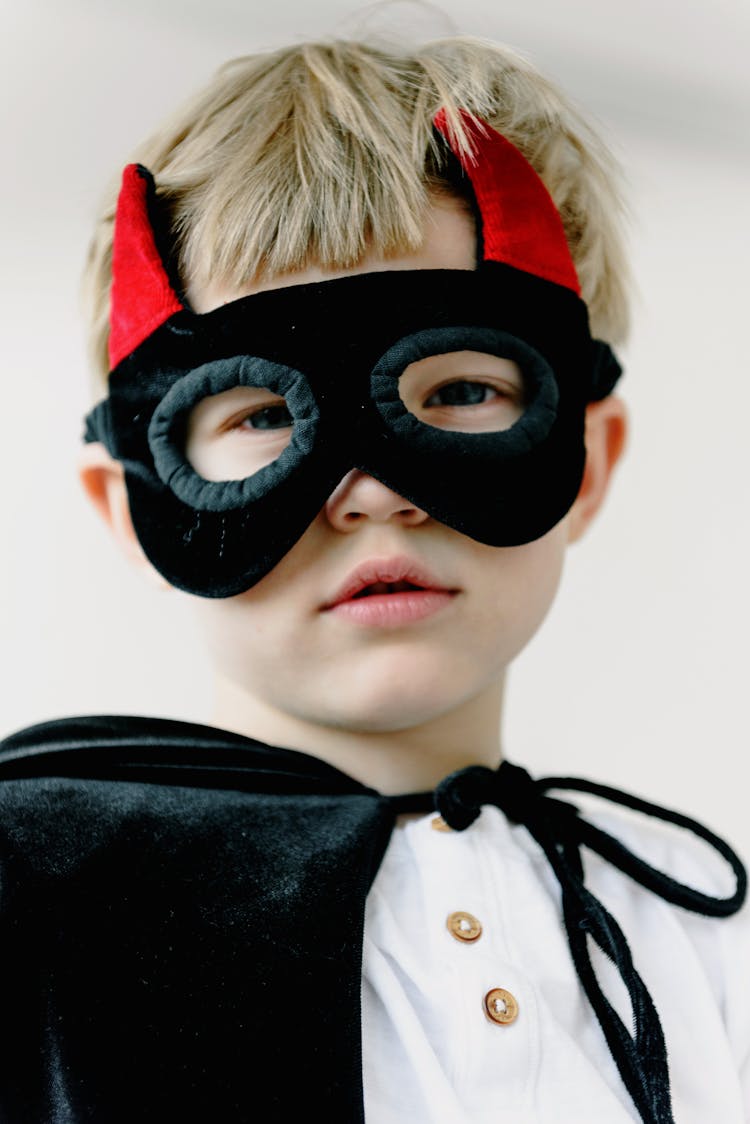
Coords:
500,1006
439,824
464,926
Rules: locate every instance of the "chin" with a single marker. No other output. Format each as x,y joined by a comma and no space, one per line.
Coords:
389,721
389,707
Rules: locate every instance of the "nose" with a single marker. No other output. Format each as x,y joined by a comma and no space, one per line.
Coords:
359,497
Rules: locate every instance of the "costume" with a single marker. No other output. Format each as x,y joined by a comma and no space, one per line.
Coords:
432,1054
182,921
336,356
184,903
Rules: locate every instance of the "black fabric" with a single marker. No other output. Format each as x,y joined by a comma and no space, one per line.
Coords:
540,393
606,370
181,921
502,489
166,431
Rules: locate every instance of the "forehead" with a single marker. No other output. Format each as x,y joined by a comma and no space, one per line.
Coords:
449,242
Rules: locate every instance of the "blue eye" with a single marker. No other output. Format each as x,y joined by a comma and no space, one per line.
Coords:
460,393
269,417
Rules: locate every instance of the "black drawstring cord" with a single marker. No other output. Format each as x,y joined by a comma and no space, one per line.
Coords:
170,752
560,831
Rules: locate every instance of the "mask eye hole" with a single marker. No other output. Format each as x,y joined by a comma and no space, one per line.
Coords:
230,431
464,391
233,434
495,393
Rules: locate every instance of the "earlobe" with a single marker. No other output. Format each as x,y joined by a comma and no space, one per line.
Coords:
605,437
103,480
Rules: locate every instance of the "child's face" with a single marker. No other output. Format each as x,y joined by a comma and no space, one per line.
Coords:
279,643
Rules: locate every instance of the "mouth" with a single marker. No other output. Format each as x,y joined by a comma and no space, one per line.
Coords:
386,577
389,592
385,587
391,605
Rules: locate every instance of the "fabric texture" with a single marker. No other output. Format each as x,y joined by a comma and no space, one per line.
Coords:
521,225
142,295
431,1054
166,945
182,920
501,488
338,342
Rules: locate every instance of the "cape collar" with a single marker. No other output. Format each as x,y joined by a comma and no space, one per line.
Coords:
173,752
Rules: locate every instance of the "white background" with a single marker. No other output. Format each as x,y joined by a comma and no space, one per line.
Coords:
639,677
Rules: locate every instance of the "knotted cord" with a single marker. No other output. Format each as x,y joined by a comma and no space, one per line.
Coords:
561,831
173,752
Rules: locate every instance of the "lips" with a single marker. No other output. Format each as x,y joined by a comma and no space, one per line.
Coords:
385,587
397,574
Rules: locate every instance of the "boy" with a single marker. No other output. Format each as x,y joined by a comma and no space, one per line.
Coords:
358,405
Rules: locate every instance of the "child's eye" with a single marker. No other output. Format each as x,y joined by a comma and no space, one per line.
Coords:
265,417
463,392
233,434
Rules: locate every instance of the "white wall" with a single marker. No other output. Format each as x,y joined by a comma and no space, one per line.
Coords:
639,676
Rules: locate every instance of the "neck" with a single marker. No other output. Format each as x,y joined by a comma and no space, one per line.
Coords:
391,761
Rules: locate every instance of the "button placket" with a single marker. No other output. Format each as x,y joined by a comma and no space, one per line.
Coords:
500,1006
475,873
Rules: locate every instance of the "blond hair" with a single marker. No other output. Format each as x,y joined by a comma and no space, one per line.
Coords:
315,153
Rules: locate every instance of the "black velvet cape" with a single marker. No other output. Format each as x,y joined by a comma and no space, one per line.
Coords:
181,918
181,922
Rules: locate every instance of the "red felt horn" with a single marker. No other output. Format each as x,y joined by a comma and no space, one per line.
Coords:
520,224
142,297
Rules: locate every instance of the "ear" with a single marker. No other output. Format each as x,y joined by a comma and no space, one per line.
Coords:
605,435
103,481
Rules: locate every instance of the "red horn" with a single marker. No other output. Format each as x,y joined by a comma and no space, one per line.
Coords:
142,297
520,224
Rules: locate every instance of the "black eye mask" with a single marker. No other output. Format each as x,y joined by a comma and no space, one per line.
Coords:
335,361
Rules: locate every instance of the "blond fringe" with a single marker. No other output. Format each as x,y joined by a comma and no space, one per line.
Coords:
316,153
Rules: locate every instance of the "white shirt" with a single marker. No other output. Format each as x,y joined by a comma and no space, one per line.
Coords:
432,1056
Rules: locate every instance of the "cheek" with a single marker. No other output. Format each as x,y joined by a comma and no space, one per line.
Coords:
520,583
236,625
250,633
543,561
